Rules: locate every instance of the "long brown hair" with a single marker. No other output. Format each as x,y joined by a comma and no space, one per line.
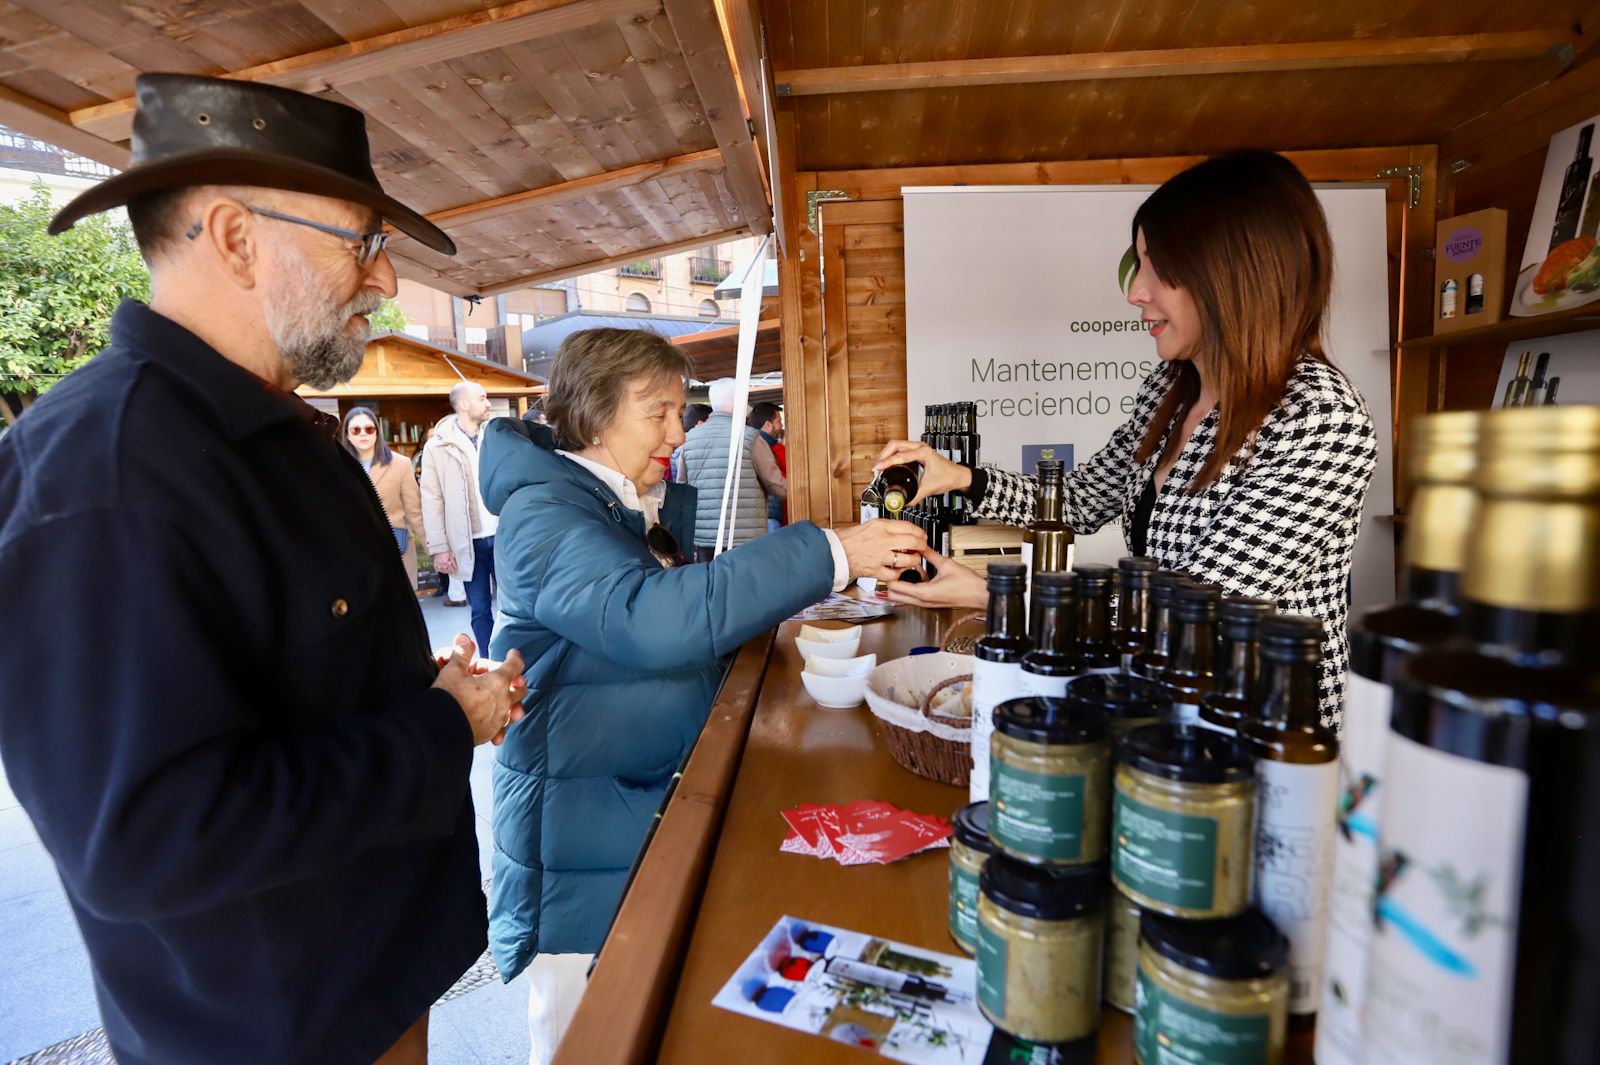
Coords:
1244,235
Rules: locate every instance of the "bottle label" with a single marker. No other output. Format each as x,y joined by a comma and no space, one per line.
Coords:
1186,713
1295,808
869,513
1169,1031
1168,857
992,684
1040,814
1449,883
963,907
1104,669
1027,589
1034,684
992,950
1362,742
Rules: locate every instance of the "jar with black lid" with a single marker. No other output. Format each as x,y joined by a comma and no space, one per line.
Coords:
970,847
1211,991
1039,941
1183,820
1050,766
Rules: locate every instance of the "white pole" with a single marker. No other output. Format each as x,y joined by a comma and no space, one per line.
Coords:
749,321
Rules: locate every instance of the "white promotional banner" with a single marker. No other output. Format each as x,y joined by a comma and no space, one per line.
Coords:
1013,301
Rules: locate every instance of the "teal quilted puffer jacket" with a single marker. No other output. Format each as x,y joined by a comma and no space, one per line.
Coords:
623,659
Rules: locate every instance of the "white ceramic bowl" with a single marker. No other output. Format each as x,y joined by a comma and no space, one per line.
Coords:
838,684
844,647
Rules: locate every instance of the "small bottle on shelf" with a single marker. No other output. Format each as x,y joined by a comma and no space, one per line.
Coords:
1054,658
1095,647
1191,673
1234,700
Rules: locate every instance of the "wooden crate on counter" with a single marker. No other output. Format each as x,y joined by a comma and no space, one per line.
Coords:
975,546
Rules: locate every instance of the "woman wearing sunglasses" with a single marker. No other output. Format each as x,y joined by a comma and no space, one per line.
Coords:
625,641
393,481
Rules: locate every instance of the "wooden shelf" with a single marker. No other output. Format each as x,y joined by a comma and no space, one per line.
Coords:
1573,320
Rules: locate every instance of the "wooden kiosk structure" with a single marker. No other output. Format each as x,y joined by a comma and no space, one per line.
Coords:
408,382
554,137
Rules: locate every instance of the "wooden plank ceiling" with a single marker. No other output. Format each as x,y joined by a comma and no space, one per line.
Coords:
548,137
889,83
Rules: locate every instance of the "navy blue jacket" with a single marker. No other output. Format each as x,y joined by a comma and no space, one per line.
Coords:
623,659
216,710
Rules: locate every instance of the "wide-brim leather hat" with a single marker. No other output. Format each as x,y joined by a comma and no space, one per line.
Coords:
191,130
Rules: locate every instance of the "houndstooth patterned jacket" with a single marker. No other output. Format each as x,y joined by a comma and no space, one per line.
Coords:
1280,522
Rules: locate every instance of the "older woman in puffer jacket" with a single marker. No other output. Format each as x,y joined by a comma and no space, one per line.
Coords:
625,641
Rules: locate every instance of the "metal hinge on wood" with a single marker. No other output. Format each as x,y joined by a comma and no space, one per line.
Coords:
814,202
1413,176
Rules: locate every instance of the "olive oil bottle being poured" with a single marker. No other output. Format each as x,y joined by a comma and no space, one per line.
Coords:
1487,945
897,487
997,665
1047,541
1132,631
1095,648
1191,672
1054,658
1297,792
1150,664
1234,699
1440,515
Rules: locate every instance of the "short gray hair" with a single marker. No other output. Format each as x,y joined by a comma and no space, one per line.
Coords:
720,394
591,374
462,390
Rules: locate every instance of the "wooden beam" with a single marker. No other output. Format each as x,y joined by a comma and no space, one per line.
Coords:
705,53
1227,59
564,272
1332,164
406,49
35,119
579,188
412,270
1525,123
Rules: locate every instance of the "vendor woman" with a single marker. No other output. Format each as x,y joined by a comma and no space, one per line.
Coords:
1248,453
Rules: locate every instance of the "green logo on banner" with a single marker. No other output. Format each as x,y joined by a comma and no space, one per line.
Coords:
1127,269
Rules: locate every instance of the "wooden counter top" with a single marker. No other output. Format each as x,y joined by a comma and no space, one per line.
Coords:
796,752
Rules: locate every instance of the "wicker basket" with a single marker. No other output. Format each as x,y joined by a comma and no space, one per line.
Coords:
928,743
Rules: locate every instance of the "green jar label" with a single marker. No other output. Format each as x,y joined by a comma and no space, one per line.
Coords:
963,907
1170,1031
1038,814
1168,857
992,972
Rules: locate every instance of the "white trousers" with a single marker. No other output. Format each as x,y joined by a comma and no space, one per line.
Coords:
555,984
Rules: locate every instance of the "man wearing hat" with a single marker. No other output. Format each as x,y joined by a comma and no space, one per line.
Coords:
220,709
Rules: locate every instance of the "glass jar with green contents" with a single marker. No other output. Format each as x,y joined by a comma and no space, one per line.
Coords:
1122,950
1211,992
1182,821
1129,702
1049,764
1039,936
970,845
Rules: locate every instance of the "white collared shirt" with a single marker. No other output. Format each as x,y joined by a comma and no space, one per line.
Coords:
649,505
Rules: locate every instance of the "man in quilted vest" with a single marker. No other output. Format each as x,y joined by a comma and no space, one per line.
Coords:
703,463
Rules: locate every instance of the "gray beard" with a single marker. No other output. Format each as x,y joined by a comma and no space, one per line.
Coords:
309,329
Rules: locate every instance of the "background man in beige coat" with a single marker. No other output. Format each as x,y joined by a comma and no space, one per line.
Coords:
459,529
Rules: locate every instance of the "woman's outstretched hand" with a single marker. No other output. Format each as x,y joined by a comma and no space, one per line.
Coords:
939,474
883,549
953,585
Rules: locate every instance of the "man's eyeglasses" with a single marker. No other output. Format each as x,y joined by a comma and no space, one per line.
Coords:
664,546
362,430
364,246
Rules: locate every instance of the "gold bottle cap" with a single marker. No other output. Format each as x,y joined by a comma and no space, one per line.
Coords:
1444,456
1534,543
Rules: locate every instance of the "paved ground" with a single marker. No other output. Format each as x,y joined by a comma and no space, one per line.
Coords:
47,1007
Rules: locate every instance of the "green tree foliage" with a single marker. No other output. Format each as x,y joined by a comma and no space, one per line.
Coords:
57,293
388,318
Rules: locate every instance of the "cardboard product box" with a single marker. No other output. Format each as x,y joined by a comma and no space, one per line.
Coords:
1469,271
